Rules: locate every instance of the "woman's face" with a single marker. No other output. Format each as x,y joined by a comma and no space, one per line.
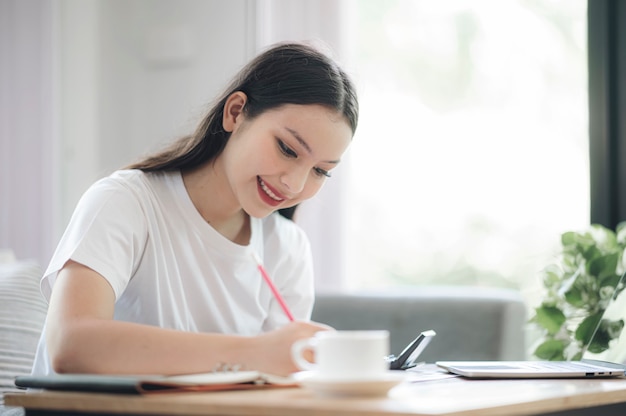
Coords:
283,156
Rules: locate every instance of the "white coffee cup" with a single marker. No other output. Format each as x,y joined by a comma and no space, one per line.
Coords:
344,354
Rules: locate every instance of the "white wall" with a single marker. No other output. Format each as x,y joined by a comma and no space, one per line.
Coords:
78,63
139,73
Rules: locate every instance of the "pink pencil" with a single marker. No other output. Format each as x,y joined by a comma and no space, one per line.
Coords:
269,282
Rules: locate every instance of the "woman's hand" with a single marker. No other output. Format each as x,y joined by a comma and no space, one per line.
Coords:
274,348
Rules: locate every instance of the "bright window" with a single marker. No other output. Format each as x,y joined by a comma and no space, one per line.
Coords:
471,156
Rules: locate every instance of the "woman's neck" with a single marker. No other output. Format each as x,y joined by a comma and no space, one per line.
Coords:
216,203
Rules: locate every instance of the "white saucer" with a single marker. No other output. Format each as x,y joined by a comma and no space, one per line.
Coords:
378,386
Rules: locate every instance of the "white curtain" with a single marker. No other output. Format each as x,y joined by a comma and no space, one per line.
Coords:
325,23
27,129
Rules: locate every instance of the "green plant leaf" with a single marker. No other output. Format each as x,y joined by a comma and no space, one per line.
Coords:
549,317
610,281
552,276
574,297
590,253
569,238
586,328
603,266
607,331
552,350
601,339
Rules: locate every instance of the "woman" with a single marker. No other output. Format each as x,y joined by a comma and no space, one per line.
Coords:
155,273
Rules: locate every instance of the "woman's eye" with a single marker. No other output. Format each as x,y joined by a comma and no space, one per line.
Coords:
289,152
286,150
322,172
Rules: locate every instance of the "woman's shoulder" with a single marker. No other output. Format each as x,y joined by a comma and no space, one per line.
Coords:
121,179
122,188
137,181
139,177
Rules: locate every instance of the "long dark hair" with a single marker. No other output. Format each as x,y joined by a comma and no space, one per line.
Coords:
288,73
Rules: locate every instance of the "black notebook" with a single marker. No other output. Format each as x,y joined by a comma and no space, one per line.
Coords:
214,381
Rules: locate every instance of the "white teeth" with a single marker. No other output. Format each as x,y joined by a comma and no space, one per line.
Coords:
268,191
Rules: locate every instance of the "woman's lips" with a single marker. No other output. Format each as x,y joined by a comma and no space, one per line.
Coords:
268,194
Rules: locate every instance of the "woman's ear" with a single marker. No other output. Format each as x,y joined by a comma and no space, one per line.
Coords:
233,111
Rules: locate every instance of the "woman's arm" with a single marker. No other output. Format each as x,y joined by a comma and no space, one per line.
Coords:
82,337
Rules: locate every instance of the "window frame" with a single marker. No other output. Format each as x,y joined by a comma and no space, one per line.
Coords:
607,110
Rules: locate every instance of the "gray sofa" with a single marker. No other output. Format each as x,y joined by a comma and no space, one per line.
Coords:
471,323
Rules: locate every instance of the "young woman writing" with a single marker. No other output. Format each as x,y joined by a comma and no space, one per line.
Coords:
155,273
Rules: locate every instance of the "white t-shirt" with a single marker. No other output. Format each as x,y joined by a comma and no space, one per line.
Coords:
169,268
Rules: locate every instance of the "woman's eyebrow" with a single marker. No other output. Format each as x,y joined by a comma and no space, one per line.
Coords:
304,144
299,138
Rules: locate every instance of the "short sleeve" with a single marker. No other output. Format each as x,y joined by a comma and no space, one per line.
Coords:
107,233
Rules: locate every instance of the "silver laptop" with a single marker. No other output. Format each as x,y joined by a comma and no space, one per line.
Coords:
606,364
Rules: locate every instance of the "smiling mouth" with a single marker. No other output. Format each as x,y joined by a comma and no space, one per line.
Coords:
268,191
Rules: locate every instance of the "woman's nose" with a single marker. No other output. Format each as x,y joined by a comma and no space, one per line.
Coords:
294,180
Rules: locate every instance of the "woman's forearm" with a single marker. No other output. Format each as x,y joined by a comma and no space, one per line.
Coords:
114,347
107,346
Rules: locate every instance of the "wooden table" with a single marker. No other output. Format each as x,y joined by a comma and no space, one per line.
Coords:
451,396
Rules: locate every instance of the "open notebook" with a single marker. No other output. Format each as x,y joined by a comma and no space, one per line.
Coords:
605,364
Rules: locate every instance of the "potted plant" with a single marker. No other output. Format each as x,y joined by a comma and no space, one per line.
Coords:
578,287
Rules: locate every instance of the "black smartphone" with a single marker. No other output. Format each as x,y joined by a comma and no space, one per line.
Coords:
408,356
